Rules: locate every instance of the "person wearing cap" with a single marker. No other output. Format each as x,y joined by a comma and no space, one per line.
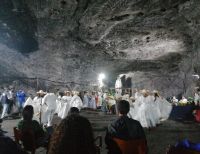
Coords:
38,107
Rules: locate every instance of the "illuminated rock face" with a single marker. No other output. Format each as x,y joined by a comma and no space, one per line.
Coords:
74,40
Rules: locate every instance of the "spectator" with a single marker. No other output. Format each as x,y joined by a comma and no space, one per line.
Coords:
8,146
74,136
124,127
73,110
28,124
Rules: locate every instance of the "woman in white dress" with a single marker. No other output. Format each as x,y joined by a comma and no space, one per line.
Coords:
135,105
65,105
76,101
152,111
144,110
141,110
165,108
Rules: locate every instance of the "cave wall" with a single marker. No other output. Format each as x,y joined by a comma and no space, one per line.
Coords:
75,40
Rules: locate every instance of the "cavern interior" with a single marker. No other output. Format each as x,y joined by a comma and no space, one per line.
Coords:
58,45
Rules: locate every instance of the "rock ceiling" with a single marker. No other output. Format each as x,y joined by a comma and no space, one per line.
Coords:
74,40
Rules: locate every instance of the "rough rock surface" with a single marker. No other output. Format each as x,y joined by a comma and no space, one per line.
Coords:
74,40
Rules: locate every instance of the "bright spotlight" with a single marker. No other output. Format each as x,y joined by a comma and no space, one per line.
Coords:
100,79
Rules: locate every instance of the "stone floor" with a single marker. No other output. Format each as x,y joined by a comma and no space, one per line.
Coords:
158,139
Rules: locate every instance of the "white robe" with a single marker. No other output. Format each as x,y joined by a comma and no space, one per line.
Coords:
118,86
49,101
141,112
39,109
134,107
165,108
86,101
92,103
144,110
29,101
153,114
76,102
196,98
64,106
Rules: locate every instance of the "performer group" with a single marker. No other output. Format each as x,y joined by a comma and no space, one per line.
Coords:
148,107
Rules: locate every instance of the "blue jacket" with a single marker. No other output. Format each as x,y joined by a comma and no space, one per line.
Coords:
21,97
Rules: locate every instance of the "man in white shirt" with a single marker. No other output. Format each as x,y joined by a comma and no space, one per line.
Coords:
50,101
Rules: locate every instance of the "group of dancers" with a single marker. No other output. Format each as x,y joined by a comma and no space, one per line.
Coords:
47,104
146,107
149,108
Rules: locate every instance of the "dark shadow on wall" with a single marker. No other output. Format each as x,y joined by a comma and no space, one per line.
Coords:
18,26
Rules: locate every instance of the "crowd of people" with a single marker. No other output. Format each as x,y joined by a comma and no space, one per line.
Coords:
148,107
74,134
11,102
141,109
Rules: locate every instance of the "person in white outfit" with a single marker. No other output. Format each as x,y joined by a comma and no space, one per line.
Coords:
39,109
174,100
92,101
165,108
50,101
76,101
29,101
86,99
64,104
4,101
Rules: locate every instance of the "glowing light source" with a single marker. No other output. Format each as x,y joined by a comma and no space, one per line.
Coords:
196,76
101,77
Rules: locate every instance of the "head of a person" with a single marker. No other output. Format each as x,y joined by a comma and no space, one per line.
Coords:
67,93
74,135
61,94
156,94
73,110
123,107
27,113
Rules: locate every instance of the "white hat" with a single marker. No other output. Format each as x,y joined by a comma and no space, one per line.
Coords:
75,92
144,92
41,92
